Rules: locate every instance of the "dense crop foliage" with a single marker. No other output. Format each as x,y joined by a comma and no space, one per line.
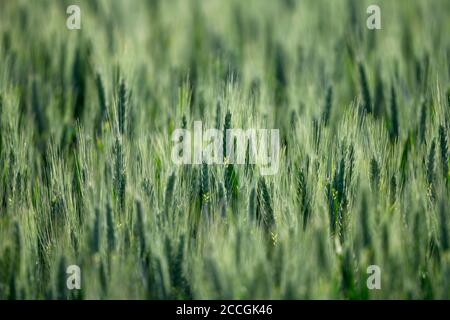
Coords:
86,176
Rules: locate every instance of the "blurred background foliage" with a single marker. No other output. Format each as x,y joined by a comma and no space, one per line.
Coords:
86,176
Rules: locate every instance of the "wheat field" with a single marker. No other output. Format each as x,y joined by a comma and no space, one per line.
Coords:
87,179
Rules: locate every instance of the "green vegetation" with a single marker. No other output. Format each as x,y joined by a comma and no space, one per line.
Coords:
86,176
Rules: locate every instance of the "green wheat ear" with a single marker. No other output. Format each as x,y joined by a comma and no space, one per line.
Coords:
222,200
140,228
122,106
183,122
264,211
281,79
431,169
226,126
218,113
180,288
448,97
444,150
205,182
378,103
110,229
430,163
316,134
120,178
374,173
13,294
103,277
328,105
95,235
61,286
350,165
102,113
230,176
367,100
17,245
204,189
423,121
169,193
394,132
79,75
303,198
252,205
393,189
